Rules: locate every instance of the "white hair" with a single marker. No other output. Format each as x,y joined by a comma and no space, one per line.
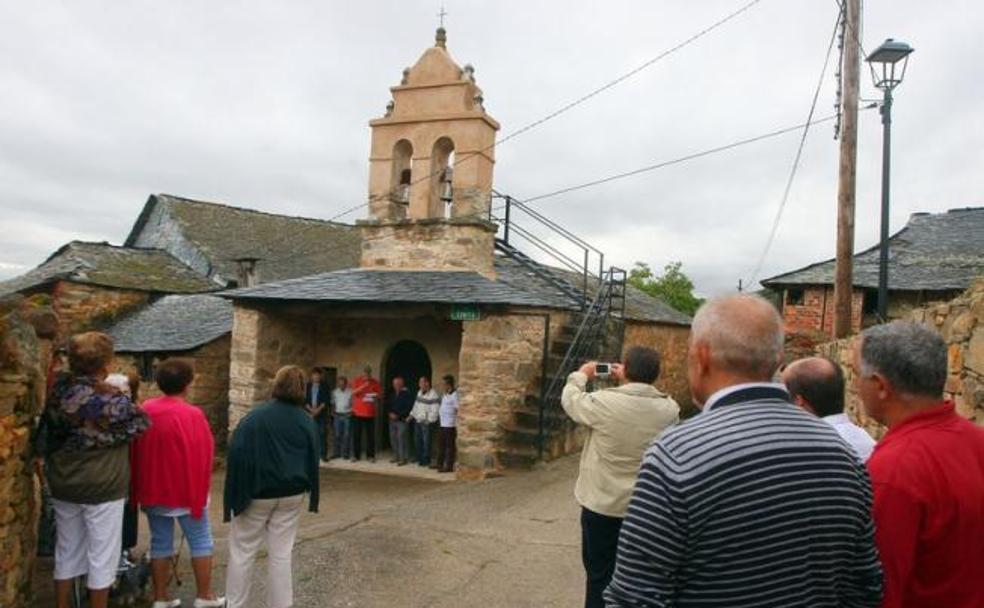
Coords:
743,332
120,382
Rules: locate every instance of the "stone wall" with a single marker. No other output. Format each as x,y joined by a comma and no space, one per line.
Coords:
429,244
501,362
82,307
210,388
670,341
262,342
24,360
961,323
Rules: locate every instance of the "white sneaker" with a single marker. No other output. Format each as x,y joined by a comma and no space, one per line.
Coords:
167,603
216,603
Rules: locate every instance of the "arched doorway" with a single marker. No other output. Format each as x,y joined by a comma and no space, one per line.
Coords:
406,358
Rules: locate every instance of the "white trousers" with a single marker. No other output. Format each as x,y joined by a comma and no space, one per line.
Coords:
274,520
89,539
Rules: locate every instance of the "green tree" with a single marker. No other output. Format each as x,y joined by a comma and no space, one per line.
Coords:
673,286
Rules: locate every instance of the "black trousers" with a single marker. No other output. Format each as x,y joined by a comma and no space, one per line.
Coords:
363,425
447,443
599,541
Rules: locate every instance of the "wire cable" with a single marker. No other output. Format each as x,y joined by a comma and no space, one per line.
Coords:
572,104
796,159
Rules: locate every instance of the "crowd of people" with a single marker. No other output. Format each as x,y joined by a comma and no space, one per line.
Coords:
414,419
103,457
770,496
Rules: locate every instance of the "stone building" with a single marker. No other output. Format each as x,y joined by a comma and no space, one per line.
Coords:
431,296
932,259
90,285
197,327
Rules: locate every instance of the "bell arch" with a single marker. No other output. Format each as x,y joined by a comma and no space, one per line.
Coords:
401,176
442,178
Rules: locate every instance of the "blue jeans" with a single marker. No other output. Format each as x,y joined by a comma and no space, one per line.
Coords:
422,443
398,440
343,436
196,531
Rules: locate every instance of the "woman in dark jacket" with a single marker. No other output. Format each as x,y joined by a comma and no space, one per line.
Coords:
272,463
86,429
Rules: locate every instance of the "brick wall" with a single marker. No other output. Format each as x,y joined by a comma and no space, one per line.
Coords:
670,341
815,313
210,388
961,323
24,360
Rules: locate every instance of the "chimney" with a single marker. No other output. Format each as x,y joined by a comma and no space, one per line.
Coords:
247,273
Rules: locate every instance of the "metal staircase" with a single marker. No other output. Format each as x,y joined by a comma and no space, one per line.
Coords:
596,329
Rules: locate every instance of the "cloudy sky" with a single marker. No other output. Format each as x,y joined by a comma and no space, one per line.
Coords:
265,105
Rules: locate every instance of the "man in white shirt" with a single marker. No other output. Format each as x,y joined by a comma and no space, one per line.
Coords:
816,384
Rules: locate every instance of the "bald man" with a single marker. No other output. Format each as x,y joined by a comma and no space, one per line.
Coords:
755,502
816,384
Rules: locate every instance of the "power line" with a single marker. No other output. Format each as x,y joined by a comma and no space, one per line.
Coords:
799,154
575,103
678,160
565,108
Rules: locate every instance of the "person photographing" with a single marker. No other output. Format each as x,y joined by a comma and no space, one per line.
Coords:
621,422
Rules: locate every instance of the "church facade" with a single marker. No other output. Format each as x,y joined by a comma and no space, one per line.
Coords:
431,296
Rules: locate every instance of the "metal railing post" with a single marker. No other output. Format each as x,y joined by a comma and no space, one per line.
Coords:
508,209
584,289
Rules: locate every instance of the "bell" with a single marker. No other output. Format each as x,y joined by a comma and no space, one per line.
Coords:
447,194
402,194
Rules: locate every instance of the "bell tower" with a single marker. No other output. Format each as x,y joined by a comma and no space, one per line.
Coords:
430,171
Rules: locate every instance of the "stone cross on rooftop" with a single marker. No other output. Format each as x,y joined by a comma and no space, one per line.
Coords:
442,15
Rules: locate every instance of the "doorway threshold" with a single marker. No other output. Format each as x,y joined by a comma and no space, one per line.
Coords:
383,466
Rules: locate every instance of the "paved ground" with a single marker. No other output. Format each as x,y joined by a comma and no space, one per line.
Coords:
394,541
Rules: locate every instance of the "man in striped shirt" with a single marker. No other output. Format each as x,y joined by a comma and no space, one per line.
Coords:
753,502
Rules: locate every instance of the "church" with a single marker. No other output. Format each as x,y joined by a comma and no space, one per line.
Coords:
444,275
441,289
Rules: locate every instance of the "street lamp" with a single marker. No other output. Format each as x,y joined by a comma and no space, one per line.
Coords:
887,64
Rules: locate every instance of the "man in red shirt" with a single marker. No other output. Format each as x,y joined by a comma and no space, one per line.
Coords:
366,393
927,472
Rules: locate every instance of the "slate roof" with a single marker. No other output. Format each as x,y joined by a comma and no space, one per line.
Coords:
933,252
516,285
384,286
110,266
639,306
286,246
174,323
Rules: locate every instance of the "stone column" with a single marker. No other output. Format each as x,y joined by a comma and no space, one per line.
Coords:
499,366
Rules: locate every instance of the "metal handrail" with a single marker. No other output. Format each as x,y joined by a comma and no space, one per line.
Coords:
510,201
547,248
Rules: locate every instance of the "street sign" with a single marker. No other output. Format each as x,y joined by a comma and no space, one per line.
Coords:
465,312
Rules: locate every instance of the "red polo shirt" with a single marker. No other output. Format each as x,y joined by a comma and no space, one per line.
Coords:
928,479
366,393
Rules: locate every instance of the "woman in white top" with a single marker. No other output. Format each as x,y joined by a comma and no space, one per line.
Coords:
448,438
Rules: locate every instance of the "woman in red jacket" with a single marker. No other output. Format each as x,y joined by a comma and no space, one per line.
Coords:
172,471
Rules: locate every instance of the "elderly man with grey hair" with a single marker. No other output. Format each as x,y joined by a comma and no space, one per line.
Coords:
754,502
927,472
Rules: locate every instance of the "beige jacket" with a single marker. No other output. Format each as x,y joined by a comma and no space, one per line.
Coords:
621,423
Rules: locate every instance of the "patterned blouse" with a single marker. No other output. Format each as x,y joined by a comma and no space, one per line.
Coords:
84,413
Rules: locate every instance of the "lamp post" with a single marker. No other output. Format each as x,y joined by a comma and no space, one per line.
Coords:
888,64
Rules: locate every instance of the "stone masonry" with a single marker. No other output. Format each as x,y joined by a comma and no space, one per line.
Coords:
435,244
501,358
261,344
670,341
81,307
210,388
961,323
26,331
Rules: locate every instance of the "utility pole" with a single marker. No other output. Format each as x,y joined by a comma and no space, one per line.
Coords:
850,76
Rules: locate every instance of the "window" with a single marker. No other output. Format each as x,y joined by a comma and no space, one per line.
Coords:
794,297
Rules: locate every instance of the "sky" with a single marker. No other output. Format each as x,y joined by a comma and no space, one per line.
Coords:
266,105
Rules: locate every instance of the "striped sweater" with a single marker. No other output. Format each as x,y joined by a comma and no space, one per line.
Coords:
752,503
